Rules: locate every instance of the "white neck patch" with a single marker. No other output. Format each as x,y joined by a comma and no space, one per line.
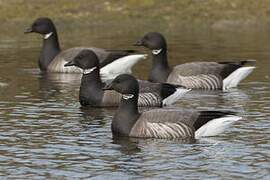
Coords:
128,96
88,71
156,51
46,36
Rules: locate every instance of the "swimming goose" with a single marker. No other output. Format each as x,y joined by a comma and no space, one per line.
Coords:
91,93
52,59
195,75
162,123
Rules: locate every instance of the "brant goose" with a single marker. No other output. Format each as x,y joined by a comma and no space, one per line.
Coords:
195,75
91,93
52,59
162,123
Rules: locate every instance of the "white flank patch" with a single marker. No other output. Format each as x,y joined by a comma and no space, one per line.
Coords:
175,96
120,66
46,36
216,126
236,76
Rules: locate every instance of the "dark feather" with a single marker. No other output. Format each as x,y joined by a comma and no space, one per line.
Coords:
240,63
229,67
167,90
206,116
113,55
127,51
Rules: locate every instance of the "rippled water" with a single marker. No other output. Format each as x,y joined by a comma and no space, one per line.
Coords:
44,132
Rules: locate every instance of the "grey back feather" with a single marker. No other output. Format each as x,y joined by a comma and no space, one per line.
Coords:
202,75
149,95
197,68
202,81
165,123
57,65
149,99
113,98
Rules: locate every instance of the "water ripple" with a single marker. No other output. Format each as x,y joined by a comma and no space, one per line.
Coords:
45,134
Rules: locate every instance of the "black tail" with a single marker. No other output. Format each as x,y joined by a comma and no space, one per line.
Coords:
206,116
115,54
173,85
239,63
168,89
232,66
129,51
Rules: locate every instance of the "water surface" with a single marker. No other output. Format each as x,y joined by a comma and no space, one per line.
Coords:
45,133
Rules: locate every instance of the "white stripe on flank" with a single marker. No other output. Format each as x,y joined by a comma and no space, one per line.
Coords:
202,81
148,99
175,96
216,126
236,76
120,66
168,130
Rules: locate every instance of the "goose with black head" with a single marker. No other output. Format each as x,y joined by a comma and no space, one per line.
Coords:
162,123
195,75
91,93
52,58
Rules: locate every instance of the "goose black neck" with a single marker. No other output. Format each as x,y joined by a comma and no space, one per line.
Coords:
126,116
49,50
129,105
160,69
91,91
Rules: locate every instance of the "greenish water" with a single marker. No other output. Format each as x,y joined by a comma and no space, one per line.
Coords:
45,134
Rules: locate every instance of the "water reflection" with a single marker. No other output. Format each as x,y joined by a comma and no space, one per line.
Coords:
59,80
232,100
96,116
127,145
45,133
53,85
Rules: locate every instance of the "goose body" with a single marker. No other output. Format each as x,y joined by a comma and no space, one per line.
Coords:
92,93
163,123
210,75
195,75
181,123
52,59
